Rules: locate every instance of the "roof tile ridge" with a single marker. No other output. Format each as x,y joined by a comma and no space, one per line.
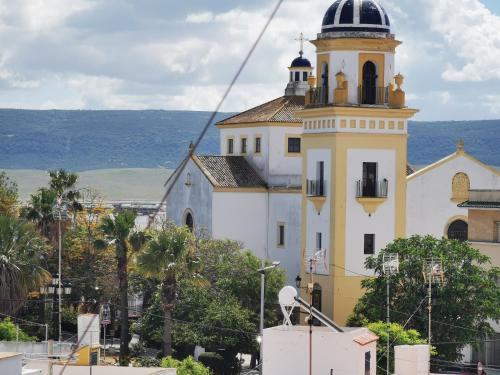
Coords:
250,109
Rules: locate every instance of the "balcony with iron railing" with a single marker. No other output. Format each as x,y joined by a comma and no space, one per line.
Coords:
316,193
315,188
373,95
320,97
371,194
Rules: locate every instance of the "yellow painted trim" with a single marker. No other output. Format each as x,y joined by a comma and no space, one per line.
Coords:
451,220
260,125
357,111
242,137
318,202
320,59
371,204
255,142
355,44
379,60
284,190
278,225
450,158
221,189
227,145
293,154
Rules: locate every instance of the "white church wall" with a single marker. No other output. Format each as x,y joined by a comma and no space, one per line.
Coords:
358,223
285,208
284,170
241,217
429,204
196,197
320,223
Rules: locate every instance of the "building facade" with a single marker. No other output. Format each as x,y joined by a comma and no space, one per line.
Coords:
322,171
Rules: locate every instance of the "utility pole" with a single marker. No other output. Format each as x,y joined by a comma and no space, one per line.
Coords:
391,267
262,272
59,289
433,273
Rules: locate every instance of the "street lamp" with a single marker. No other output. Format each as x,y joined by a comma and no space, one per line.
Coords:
298,281
390,267
59,288
262,272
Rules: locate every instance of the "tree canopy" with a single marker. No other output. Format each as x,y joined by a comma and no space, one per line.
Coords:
461,306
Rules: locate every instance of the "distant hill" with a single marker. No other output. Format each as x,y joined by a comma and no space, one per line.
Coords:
86,140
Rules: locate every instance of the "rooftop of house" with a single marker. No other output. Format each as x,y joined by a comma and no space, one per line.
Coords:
482,199
229,171
280,110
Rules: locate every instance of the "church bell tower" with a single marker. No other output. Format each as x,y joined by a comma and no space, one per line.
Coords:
355,129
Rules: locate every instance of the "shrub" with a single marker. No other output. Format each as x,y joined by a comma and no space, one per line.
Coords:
8,332
213,361
186,367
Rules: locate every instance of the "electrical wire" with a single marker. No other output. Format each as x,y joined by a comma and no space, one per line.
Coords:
175,176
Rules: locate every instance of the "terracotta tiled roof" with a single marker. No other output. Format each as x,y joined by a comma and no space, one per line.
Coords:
278,110
229,171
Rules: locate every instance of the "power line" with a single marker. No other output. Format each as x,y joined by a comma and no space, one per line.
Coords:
175,176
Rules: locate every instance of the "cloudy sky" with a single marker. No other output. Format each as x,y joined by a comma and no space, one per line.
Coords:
171,54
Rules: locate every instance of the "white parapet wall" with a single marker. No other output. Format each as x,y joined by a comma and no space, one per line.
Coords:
98,370
88,329
411,360
286,351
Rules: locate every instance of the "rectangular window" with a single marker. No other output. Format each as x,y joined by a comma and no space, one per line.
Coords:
498,232
368,359
230,146
294,145
297,76
257,145
243,145
320,176
319,241
369,179
281,234
369,244
305,76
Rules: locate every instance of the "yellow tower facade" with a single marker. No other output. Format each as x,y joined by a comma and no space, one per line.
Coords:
355,129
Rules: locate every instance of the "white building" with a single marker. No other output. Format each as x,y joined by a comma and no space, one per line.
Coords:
325,166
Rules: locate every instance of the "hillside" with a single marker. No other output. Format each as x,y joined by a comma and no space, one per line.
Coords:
86,140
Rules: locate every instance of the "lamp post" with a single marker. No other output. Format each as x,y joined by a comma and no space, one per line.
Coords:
262,272
433,273
391,267
57,288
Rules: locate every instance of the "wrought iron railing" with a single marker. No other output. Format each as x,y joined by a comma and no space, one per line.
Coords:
373,95
318,95
316,188
367,189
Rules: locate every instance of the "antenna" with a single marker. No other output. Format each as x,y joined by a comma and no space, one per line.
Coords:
287,298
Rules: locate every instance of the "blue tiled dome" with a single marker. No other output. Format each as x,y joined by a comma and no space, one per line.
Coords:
356,15
301,62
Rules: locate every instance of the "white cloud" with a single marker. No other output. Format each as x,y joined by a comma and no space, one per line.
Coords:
204,17
471,32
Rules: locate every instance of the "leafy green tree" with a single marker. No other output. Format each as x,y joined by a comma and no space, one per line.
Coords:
118,231
461,306
21,254
64,184
397,335
9,332
41,211
8,195
168,256
186,367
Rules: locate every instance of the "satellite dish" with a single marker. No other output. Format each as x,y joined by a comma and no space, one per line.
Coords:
287,296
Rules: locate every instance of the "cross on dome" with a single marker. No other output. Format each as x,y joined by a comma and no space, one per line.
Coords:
301,39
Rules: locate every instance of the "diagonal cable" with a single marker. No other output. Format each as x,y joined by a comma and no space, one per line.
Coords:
172,181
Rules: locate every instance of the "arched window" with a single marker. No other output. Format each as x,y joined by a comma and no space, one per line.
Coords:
188,221
369,85
324,83
458,230
317,300
460,187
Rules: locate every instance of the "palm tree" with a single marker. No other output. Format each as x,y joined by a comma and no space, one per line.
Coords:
21,252
64,183
118,230
168,256
41,210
